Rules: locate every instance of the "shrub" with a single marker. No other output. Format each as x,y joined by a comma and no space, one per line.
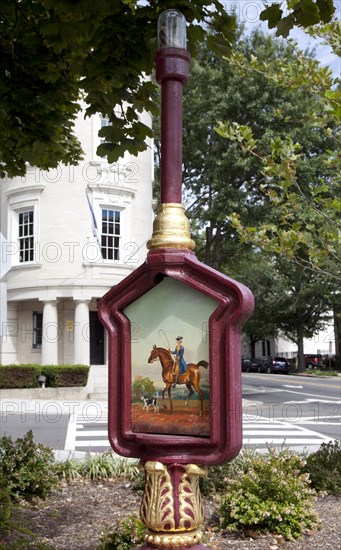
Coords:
28,467
271,494
324,468
26,376
65,375
334,363
5,499
19,376
127,533
70,469
219,477
106,465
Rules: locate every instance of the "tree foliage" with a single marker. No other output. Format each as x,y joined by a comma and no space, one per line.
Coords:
228,187
299,13
301,171
142,386
54,53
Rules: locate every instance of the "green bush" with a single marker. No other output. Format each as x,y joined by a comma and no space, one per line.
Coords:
65,376
271,494
334,363
5,499
28,467
19,376
324,468
106,466
27,376
219,477
70,469
127,533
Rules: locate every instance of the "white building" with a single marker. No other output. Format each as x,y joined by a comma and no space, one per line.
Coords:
60,264
322,343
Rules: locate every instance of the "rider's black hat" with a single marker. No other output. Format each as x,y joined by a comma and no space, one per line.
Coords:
179,338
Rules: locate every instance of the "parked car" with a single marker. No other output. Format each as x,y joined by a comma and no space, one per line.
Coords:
313,361
275,364
250,365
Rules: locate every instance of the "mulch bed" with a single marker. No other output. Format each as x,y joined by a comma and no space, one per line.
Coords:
75,516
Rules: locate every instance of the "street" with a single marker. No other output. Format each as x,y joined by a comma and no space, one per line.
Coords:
295,411
310,404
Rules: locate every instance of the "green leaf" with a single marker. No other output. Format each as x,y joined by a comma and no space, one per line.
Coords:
272,14
307,13
326,9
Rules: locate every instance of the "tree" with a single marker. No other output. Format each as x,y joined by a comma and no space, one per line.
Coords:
142,386
225,183
55,52
301,184
258,272
305,304
220,174
300,13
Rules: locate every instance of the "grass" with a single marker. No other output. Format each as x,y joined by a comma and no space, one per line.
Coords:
319,372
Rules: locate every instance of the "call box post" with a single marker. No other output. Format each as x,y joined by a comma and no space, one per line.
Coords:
174,328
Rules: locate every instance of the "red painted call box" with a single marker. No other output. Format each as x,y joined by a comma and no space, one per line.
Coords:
174,361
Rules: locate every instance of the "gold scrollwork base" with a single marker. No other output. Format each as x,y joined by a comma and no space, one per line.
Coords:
173,540
171,506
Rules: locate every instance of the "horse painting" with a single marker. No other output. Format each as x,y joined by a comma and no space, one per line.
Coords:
191,378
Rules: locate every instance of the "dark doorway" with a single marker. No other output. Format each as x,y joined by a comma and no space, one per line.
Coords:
96,340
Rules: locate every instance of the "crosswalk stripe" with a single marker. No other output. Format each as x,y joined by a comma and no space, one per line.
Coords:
93,433
286,441
94,443
89,433
269,432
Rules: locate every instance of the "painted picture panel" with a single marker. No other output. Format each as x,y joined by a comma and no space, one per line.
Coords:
170,391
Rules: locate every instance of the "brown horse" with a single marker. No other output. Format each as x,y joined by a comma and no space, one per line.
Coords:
191,377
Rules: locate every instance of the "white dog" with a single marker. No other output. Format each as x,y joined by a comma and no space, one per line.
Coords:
149,401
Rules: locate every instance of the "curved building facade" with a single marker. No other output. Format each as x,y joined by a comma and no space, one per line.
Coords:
70,234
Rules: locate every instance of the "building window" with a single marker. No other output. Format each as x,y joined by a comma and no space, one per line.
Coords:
111,234
26,236
37,333
266,348
104,123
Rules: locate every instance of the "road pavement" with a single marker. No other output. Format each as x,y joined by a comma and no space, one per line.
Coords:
297,412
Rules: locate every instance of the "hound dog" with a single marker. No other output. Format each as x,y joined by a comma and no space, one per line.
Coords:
149,401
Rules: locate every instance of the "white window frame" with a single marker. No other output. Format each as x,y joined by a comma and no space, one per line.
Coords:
26,239
23,199
37,332
107,194
114,235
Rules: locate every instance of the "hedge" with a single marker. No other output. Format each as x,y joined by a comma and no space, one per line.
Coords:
19,376
335,363
27,376
64,376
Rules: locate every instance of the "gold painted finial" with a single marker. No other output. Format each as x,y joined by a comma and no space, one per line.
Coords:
171,228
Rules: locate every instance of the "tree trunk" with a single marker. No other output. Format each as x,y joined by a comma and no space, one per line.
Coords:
216,261
337,329
300,352
253,348
209,232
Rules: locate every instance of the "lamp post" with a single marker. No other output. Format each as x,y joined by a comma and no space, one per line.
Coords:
175,431
171,227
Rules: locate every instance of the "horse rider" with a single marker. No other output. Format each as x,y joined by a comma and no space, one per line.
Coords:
180,365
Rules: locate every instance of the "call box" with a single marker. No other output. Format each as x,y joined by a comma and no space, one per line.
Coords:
174,361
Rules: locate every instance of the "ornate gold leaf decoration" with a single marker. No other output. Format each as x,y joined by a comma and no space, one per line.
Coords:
191,507
157,507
